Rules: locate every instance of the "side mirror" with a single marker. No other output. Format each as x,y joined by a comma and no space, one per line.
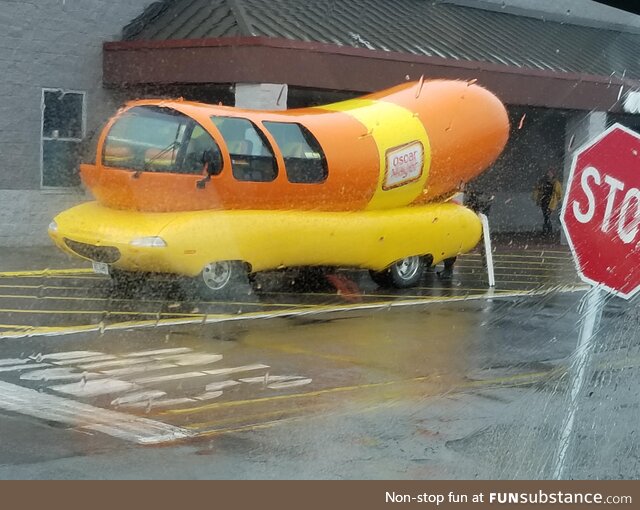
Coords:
212,164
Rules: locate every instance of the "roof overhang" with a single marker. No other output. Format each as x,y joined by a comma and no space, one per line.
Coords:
332,67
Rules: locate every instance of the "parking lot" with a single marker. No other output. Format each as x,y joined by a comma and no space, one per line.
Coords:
396,383
40,301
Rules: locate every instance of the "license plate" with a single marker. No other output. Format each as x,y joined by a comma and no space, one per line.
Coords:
100,268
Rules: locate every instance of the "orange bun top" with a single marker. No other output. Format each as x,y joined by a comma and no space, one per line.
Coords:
412,143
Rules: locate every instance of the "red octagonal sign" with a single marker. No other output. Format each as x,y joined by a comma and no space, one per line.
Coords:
601,211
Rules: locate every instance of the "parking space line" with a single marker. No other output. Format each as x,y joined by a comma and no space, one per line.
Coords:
14,326
156,301
45,272
99,312
205,319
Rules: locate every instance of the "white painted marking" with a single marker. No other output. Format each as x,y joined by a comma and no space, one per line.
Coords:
140,396
184,360
16,368
168,402
114,363
215,386
94,388
289,384
67,355
233,370
88,359
210,395
171,377
137,369
177,350
13,361
58,374
266,379
61,410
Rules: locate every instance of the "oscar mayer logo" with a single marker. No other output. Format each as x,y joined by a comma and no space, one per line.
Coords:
404,165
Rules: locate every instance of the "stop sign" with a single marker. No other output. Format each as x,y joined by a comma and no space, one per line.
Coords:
601,211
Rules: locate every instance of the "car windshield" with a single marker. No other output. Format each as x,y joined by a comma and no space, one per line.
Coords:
154,139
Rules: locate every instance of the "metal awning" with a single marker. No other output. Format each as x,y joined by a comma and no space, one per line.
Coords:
330,44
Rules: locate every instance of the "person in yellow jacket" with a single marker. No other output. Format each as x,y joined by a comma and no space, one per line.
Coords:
547,195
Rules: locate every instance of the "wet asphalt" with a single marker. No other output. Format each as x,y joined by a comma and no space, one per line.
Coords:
448,380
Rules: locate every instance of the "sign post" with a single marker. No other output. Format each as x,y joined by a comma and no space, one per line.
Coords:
601,219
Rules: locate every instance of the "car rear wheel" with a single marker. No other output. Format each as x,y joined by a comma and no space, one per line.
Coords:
401,274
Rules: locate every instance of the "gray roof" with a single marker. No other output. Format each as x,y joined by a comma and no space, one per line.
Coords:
418,27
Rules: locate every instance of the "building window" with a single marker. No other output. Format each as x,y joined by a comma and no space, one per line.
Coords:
303,157
63,130
155,139
251,156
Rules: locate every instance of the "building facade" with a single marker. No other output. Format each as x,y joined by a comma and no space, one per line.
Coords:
564,73
52,100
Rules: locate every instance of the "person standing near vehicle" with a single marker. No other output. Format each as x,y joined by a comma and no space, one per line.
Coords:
547,195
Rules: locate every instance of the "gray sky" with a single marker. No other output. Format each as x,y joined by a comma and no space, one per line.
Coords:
576,11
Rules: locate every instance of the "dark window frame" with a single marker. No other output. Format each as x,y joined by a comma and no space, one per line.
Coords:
64,139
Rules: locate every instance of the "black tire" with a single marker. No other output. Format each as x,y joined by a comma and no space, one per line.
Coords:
312,279
221,280
125,283
402,274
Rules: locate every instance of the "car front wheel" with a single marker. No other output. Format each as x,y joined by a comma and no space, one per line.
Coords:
222,279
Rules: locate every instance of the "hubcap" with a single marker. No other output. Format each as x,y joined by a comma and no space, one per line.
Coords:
217,274
408,268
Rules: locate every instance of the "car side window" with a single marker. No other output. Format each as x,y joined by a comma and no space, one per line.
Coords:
251,156
199,142
303,157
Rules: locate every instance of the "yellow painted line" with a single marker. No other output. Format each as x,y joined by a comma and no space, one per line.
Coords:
254,416
317,310
98,312
461,290
537,257
14,326
43,287
521,265
80,298
501,382
45,272
62,277
342,389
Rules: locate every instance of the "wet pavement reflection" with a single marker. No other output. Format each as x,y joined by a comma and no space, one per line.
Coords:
59,301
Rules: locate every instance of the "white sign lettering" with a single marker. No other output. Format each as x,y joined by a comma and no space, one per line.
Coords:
626,216
404,165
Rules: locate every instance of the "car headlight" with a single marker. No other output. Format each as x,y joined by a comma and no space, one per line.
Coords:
53,227
148,242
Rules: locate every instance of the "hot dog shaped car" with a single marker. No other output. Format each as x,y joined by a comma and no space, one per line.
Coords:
214,193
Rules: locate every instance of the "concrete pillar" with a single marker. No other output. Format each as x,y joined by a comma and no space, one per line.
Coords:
262,96
580,128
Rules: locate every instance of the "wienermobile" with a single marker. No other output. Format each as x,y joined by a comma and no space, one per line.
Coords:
215,193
